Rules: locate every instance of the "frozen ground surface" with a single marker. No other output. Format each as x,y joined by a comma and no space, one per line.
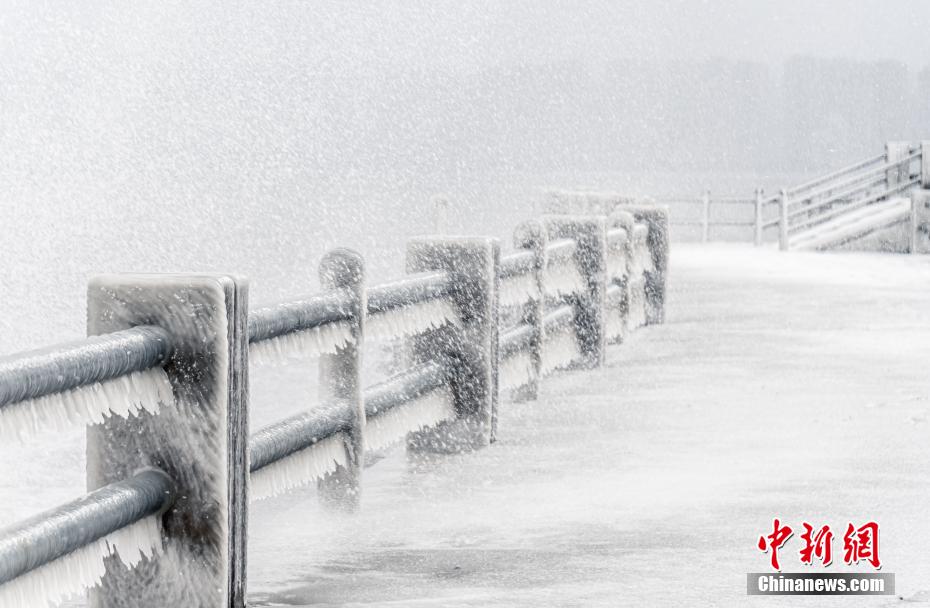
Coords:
789,385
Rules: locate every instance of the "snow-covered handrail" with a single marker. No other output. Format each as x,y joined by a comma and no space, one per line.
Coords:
804,207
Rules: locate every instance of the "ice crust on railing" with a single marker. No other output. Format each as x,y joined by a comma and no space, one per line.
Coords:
559,350
516,371
411,319
387,428
637,302
616,264
91,404
301,468
615,326
301,344
73,574
564,279
518,290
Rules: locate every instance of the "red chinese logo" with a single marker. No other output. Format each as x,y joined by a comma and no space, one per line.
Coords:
774,541
859,544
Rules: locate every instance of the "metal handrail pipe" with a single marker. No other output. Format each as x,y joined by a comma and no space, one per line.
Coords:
517,263
48,536
558,317
404,387
835,174
613,294
516,339
62,367
616,238
283,438
880,170
561,249
839,196
408,290
854,205
286,317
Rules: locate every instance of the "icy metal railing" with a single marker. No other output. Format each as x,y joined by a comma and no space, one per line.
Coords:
804,207
410,305
84,381
27,547
446,400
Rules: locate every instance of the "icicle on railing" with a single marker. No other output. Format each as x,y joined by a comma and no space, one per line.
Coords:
559,351
91,404
300,330
298,450
563,279
61,553
516,370
300,468
560,346
386,428
72,575
518,289
85,382
301,345
615,311
616,263
409,306
410,320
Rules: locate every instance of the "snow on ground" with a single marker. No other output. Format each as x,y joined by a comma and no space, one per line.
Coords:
783,385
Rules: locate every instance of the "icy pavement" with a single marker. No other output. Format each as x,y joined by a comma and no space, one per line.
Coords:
789,385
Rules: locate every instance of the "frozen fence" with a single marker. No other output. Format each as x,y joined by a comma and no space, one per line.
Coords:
816,214
162,387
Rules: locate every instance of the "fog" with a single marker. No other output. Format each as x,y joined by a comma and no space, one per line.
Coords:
169,136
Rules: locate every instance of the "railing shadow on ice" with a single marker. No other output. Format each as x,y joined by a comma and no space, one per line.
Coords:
162,387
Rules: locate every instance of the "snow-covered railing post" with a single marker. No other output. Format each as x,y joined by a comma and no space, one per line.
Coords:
590,236
618,295
655,269
469,352
200,440
758,219
531,236
340,381
783,220
920,221
896,151
925,165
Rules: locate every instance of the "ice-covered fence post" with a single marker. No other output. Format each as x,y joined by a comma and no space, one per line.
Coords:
590,234
705,216
531,235
920,221
340,374
783,220
200,441
656,217
758,218
925,165
895,151
469,352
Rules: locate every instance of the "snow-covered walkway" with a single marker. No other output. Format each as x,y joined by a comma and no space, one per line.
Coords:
783,385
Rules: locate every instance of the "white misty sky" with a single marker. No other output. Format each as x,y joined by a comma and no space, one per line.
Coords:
529,30
480,32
